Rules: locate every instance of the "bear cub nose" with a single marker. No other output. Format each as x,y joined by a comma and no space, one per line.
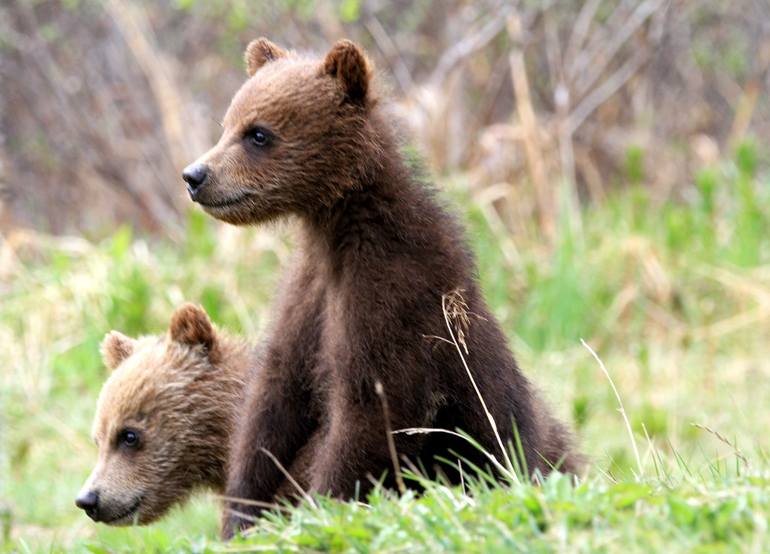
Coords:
88,502
195,175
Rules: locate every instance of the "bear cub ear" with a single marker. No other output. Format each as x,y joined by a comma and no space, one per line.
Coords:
115,348
346,62
259,52
191,325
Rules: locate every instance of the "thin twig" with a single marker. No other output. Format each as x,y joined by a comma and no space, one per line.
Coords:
580,31
604,91
391,52
302,492
380,390
589,74
436,337
472,42
247,502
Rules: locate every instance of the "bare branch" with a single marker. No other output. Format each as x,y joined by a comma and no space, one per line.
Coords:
580,31
391,53
599,62
604,91
472,43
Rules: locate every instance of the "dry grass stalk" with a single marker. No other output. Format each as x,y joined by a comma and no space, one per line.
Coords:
507,471
379,389
247,502
530,128
721,438
621,409
294,483
456,316
456,309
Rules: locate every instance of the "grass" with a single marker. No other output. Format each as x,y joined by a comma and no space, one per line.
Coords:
674,296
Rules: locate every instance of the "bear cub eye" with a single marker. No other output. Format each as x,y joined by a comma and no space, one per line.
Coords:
258,137
128,438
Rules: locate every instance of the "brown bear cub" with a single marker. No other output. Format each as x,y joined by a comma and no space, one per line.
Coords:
164,418
363,302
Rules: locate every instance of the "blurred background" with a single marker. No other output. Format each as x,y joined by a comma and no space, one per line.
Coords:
104,102
610,159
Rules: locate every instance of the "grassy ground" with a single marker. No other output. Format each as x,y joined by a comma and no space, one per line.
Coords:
674,297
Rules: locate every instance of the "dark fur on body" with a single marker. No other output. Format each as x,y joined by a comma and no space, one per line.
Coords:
362,302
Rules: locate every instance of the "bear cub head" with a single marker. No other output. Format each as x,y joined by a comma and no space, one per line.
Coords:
163,419
296,135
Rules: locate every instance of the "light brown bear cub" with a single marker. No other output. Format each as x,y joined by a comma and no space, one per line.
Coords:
163,418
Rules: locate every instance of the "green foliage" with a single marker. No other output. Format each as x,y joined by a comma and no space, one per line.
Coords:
349,10
558,516
640,518
651,420
707,181
634,169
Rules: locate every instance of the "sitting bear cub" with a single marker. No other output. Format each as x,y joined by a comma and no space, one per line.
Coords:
363,307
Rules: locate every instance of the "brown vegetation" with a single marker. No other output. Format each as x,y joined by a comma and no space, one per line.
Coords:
104,102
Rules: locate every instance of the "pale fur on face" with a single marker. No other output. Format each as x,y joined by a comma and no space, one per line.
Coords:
180,398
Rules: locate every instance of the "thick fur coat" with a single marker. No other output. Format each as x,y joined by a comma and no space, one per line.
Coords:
164,418
364,302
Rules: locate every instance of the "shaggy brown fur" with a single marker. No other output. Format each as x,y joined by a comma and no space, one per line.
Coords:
178,393
363,300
